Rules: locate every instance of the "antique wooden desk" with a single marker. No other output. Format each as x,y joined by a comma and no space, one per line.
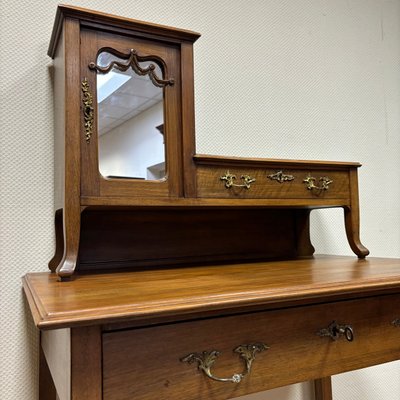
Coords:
189,276
123,336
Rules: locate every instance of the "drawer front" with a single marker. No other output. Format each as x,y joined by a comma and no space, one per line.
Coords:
271,183
145,363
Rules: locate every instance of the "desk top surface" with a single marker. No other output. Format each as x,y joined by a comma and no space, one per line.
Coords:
182,293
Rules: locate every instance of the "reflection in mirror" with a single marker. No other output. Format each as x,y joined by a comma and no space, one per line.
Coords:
130,121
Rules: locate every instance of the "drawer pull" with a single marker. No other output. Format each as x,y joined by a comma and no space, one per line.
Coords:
324,183
206,360
230,178
335,330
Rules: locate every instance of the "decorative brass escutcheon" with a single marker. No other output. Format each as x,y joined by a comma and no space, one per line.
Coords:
335,331
230,178
324,183
205,360
396,322
281,177
88,110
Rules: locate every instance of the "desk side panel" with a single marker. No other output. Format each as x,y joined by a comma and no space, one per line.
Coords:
56,345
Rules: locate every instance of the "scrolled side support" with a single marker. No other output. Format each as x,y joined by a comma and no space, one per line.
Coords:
352,218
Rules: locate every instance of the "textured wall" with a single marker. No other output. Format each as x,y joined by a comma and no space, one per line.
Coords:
314,79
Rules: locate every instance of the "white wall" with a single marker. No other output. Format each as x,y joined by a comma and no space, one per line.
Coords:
315,79
130,148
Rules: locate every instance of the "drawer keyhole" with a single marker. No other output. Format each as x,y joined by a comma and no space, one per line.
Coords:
335,331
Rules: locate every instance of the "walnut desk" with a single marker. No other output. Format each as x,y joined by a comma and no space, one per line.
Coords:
176,333
188,276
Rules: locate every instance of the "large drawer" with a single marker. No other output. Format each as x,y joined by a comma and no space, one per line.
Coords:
271,183
145,363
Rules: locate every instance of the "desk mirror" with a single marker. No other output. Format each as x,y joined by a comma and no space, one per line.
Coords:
130,98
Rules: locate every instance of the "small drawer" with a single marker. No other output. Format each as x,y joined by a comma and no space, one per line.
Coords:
146,363
266,183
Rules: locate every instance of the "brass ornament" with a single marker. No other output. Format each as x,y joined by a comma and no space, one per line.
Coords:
281,177
205,360
88,110
324,183
230,179
396,322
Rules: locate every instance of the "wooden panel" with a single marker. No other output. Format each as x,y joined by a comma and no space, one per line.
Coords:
59,123
72,160
323,388
113,239
56,345
209,183
145,363
204,290
188,124
86,371
213,202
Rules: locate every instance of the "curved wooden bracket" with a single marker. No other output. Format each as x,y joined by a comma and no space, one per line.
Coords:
352,218
58,224
352,224
67,227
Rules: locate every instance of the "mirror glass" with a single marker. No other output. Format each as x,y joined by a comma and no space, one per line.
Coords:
130,121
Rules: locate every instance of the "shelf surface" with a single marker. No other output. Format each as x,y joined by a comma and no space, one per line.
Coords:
192,292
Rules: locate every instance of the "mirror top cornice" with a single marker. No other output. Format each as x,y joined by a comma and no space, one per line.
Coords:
90,16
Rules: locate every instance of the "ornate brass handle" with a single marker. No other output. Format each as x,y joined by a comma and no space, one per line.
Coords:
324,183
335,331
206,359
230,178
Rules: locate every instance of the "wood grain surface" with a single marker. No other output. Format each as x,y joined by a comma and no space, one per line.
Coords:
210,184
142,238
144,364
198,291
323,388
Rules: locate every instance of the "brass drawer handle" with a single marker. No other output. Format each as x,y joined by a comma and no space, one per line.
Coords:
230,178
206,359
324,183
336,330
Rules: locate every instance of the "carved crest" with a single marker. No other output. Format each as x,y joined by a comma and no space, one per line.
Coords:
132,61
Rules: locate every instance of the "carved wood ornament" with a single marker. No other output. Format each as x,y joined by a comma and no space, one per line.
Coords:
133,60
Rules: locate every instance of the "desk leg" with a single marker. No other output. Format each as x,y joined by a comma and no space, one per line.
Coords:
323,389
47,390
86,376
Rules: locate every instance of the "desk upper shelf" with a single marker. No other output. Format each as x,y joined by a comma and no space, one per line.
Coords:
86,45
